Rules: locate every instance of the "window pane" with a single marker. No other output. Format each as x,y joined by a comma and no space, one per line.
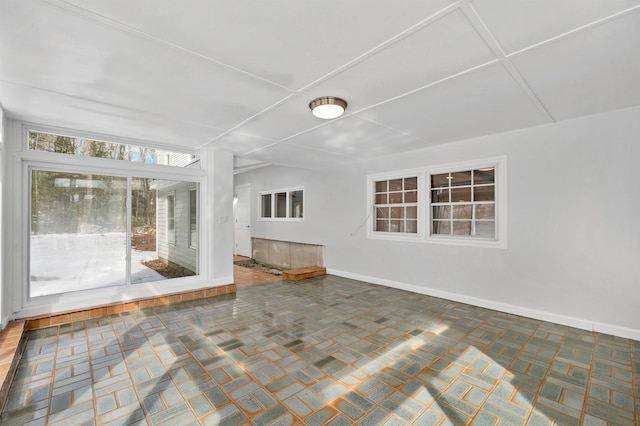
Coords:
484,193
382,225
395,185
468,198
171,210
281,204
461,178
462,227
296,202
440,196
441,227
146,207
460,195
78,232
462,212
411,227
484,176
441,212
396,226
173,256
410,183
266,205
485,211
397,212
440,181
193,218
381,199
412,212
486,229
395,198
397,193
382,212
39,141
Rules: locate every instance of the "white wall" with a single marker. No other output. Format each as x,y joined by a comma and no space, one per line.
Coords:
573,242
275,178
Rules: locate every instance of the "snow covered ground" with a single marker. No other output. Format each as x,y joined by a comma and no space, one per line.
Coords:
63,263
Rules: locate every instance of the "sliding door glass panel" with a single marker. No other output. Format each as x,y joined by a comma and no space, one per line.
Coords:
77,239
144,214
164,229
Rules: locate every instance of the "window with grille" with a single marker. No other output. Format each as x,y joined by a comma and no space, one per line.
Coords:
463,203
467,203
396,205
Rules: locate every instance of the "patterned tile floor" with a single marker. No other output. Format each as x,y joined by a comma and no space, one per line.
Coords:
326,350
246,276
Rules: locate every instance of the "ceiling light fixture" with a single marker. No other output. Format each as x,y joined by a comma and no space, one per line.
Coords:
328,107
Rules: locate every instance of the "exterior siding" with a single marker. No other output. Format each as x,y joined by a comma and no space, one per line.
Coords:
179,251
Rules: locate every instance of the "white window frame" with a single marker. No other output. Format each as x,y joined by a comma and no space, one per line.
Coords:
192,244
193,159
273,194
371,205
425,208
500,188
29,159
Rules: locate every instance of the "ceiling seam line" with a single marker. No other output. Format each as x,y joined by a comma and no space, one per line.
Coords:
432,84
393,129
285,139
384,102
298,146
374,50
487,36
520,80
575,30
354,113
63,4
243,122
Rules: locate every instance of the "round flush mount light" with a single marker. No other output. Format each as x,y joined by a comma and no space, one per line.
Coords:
328,107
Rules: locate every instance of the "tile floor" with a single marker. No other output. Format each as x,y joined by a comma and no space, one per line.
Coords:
246,276
326,350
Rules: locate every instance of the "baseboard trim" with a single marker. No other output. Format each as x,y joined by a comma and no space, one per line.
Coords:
583,324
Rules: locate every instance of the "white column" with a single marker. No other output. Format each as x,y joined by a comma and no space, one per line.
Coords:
216,212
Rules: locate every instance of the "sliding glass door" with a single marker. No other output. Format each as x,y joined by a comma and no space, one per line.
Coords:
89,231
78,232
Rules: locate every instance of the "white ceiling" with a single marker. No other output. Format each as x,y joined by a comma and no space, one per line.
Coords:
239,75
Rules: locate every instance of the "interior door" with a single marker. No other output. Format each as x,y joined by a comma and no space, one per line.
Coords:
242,219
